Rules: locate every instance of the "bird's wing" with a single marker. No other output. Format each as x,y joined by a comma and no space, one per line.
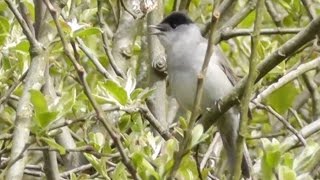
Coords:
225,66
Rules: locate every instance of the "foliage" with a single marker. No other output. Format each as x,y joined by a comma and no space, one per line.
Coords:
122,98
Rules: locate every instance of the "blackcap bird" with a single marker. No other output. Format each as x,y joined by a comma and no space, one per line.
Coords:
185,49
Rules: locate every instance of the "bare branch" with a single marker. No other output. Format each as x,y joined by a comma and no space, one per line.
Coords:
228,33
287,78
306,131
284,122
7,94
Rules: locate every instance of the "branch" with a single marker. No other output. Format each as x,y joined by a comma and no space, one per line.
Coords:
249,88
271,61
127,9
7,94
235,19
276,16
303,68
94,59
51,165
105,40
315,96
155,123
284,122
306,131
76,170
228,33
33,41
33,80
310,10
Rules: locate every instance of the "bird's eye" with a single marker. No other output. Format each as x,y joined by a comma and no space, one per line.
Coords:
173,26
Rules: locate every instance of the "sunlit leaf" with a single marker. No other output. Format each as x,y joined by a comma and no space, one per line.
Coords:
87,32
38,101
45,118
52,143
283,97
116,92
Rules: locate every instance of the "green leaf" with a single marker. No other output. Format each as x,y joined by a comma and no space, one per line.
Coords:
124,122
137,123
119,172
145,169
23,47
248,21
283,98
97,140
271,158
45,118
4,25
38,101
87,32
117,92
3,6
286,173
197,132
52,143
288,159
98,165
183,122
134,95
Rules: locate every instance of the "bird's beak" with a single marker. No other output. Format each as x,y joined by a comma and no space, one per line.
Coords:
156,29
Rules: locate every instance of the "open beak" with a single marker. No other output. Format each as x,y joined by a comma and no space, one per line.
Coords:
156,29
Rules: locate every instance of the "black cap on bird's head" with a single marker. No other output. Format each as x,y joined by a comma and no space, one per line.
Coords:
171,22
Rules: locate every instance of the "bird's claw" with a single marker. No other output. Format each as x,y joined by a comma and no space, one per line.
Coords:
218,104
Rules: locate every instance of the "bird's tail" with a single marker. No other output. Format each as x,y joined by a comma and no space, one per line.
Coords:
228,127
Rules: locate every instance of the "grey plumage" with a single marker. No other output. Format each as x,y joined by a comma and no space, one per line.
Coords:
186,48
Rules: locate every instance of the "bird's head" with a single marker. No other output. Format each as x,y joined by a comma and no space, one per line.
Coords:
175,27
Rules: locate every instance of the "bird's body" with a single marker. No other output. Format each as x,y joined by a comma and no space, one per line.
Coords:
186,49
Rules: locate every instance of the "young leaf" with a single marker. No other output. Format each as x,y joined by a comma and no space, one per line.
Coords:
39,101
116,92
87,32
52,143
45,118
197,132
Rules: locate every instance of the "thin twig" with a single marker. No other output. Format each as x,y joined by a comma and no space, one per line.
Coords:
105,41
123,4
287,78
23,24
228,33
155,123
284,122
276,16
209,152
310,10
306,131
249,88
94,59
7,94
267,136
76,170
24,14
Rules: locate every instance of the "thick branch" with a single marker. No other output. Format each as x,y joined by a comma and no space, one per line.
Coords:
271,61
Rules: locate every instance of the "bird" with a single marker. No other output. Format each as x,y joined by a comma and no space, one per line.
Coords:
185,49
